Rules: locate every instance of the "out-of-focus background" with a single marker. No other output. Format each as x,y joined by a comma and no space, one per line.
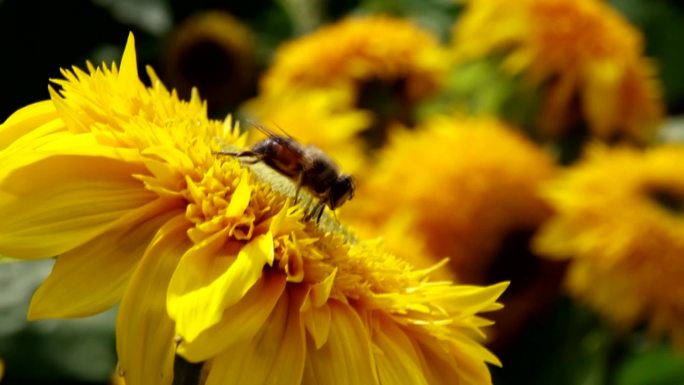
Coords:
533,141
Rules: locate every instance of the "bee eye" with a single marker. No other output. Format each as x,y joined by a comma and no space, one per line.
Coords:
341,191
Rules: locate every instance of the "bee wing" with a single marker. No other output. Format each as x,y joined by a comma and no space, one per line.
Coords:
267,131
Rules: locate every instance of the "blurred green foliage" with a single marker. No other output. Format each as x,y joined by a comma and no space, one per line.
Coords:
49,351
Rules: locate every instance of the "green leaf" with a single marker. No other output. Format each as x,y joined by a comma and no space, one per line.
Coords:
652,365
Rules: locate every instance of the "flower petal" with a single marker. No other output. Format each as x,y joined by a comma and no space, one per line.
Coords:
93,277
317,321
48,141
206,283
275,356
128,74
144,340
240,199
396,358
239,322
25,120
346,358
458,358
66,202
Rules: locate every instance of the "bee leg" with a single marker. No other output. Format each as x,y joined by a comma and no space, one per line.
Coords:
256,157
321,208
299,187
320,213
314,212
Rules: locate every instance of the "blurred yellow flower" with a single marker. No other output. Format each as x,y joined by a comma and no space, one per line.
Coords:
619,219
209,259
213,51
461,184
585,55
324,117
357,51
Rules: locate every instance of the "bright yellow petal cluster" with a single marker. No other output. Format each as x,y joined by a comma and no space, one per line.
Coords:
460,184
587,57
208,258
360,50
619,218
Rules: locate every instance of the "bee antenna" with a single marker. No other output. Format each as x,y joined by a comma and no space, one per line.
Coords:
282,130
261,128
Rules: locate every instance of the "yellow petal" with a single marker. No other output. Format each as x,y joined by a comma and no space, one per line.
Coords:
346,358
240,199
462,360
71,117
395,356
274,357
128,73
25,120
62,208
144,339
239,322
46,143
206,283
317,322
475,299
93,277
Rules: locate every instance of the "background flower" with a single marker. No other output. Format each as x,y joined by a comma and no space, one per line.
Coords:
214,52
464,189
619,218
586,58
385,65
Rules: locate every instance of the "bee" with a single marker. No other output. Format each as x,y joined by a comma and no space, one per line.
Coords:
307,165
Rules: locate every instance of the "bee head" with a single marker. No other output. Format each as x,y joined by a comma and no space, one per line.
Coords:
341,191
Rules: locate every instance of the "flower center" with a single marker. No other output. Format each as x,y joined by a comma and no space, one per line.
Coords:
669,200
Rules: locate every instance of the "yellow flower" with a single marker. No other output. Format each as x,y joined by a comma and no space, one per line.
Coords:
324,117
209,259
349,96
214,52
619,221
587,58
357,51
462,184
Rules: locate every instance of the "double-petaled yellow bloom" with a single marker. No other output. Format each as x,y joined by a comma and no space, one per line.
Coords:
348,82
460,185
619,220
208,259
356,51
585,56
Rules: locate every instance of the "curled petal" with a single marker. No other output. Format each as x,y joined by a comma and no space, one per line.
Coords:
26,120
205,284
240,322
